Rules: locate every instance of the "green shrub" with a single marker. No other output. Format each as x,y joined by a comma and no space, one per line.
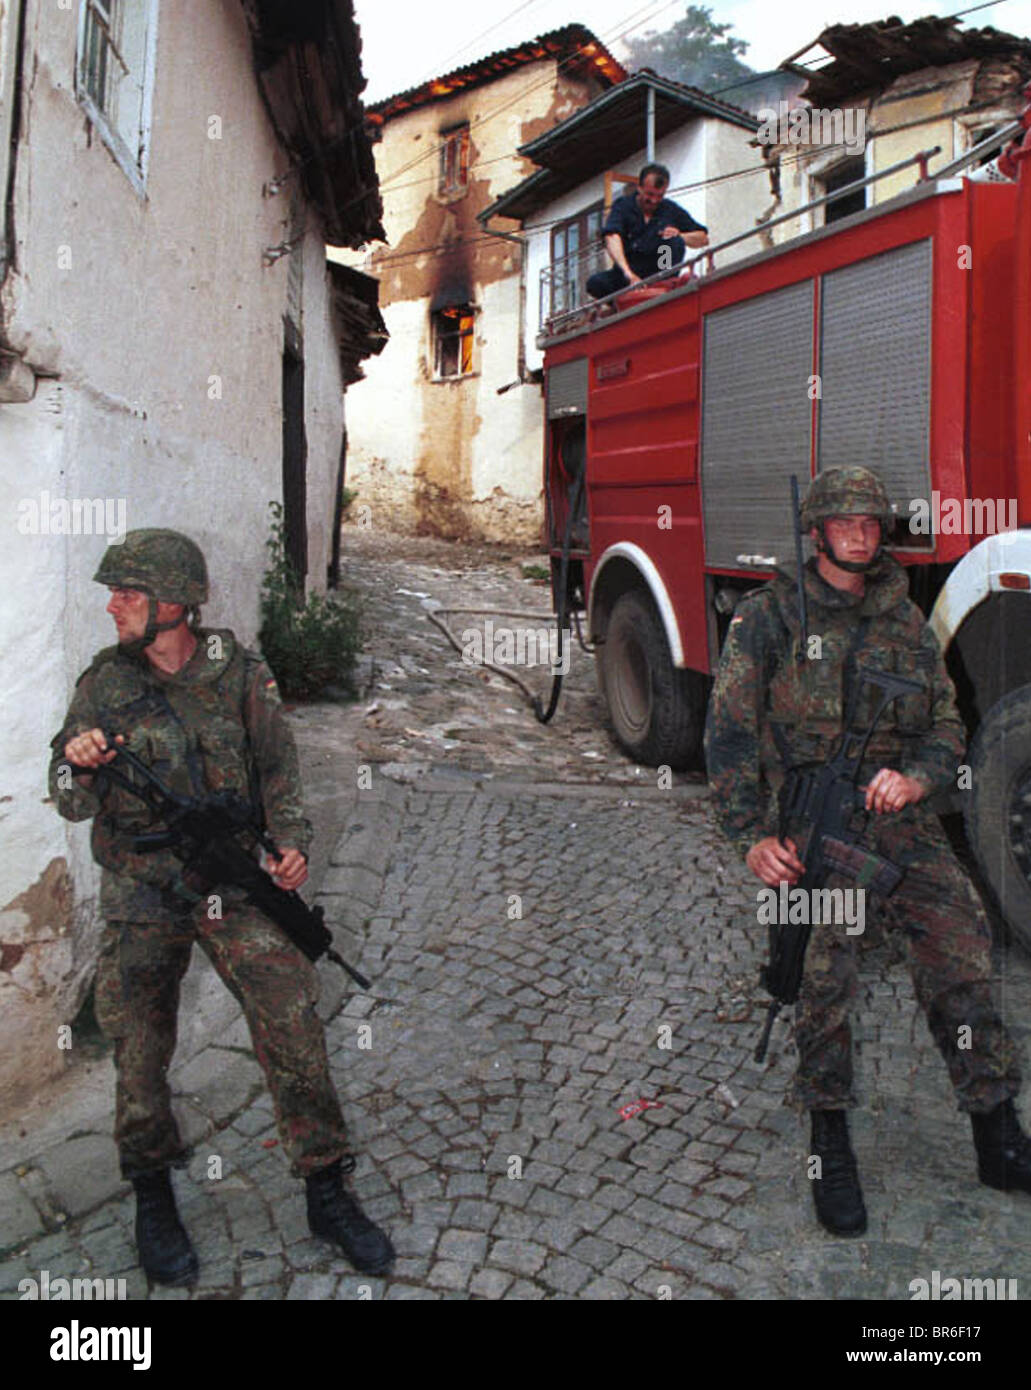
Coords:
534,571
309,644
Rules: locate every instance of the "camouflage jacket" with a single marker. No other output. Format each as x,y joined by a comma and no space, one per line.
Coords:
215,725
761,686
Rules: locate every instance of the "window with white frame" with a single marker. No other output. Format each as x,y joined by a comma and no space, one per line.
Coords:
115,77
577,251
840,175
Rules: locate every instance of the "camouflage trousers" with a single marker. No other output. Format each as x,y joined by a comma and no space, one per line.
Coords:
137,1001
942,927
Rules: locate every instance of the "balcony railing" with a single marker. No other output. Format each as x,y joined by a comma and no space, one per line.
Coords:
563,285
563,296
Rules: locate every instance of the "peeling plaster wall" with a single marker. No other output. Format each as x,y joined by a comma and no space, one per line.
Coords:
454,457
163,295
916,112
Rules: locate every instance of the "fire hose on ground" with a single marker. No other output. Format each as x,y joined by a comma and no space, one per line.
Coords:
543,715
437,614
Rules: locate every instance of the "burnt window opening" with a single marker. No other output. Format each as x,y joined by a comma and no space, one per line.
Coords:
454,160
848,171
577,251
453,340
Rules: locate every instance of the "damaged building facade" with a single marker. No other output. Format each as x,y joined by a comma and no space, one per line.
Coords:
444,435
595,156
905,89
173,352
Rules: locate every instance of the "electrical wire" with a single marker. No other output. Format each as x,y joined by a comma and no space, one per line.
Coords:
785,162
577,57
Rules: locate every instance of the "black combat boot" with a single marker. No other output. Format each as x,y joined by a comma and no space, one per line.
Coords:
334,1215
1003,1149
836,1193
166,1254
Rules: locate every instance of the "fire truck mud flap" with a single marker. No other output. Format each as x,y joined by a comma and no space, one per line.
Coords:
998,807
657,711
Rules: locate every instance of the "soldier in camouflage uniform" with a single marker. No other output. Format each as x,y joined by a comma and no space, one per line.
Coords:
205,714
770,710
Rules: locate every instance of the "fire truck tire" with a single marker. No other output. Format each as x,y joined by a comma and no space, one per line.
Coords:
657,711
998,807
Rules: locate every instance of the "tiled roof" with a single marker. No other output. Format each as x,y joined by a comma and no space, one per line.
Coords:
573,41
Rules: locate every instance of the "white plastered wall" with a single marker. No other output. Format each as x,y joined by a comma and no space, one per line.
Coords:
163,331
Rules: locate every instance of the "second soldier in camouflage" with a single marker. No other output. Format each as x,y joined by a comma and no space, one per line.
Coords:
774,707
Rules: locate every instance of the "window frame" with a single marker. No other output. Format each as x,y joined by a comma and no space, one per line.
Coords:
438,318
136,167
454,138
824,166
581,221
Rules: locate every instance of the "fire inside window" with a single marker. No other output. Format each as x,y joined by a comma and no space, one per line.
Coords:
454,160
453,335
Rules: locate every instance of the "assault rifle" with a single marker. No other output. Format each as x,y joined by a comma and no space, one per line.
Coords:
826,799
203,832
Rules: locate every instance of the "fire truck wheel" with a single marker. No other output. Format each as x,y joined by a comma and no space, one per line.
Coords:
998,807
657,712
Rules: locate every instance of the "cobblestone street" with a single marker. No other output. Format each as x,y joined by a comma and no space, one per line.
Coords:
551,937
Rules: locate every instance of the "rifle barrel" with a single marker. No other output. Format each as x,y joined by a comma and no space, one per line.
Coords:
803,616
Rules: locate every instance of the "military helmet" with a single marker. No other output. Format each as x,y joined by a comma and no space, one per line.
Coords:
164,564
846,492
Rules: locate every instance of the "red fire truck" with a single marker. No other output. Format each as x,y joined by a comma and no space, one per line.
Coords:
898,338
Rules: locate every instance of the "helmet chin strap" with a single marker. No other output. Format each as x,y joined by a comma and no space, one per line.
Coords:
138,644
852,566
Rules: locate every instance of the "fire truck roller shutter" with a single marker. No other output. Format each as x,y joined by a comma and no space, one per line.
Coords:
756,422
567,389
871,392
875,370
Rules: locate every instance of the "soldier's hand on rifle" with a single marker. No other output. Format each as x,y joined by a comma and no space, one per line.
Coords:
775,861
90,749
290,870
890,791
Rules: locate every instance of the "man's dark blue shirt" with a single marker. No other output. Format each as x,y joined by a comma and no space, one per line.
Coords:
641,239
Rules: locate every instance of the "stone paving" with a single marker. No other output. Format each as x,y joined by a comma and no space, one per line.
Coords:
544,952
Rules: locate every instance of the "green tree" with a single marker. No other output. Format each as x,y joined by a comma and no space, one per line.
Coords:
694,51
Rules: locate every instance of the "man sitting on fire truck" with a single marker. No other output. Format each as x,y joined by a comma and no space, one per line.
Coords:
645,232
